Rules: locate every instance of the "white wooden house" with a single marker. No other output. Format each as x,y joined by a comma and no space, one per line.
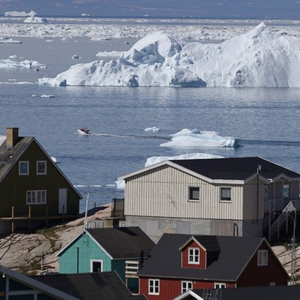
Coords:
224,196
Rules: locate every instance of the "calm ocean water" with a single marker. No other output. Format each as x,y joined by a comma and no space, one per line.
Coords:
265,119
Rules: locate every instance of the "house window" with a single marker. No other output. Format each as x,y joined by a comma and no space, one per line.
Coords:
194,193
219,285
36,197
262,257
23,167
286,191
96,265
194,256
41,167
153,286
225,193
186,286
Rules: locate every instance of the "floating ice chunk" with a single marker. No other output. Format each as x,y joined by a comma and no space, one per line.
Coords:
34,19
157,159
152,129
47,96
9,41
27,64
196,138
120,184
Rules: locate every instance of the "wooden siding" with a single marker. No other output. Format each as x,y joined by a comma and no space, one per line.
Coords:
163,192
77,258
185,257
13,187
254,275
171,288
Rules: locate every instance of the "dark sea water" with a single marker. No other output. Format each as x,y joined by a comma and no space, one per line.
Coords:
265,119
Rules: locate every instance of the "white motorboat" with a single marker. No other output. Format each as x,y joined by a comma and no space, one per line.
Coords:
84,131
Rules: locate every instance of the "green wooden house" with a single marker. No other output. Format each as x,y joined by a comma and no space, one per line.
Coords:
33,190
103,250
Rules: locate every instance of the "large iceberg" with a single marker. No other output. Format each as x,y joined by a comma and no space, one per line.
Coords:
258,58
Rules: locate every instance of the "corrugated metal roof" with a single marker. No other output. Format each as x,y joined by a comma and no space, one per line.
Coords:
235,253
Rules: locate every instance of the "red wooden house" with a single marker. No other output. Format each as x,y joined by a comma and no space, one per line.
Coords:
181,262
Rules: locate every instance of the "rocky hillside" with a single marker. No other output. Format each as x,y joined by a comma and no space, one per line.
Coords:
36,253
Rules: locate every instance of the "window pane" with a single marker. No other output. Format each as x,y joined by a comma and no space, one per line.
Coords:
194,193
41,167
23,168
226,194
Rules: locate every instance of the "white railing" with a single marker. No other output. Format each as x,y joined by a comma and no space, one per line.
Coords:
282,218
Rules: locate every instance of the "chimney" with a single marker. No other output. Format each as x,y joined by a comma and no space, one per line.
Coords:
12,136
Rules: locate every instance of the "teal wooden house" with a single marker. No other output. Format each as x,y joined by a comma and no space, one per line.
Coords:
103,250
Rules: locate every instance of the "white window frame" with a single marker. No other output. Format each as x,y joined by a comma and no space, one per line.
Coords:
193,253
153,286
37,167
262,257
96,260
186,286
20,168
191,189
225,199
220,285
36,197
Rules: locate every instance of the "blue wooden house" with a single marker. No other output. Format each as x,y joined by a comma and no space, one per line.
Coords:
103,250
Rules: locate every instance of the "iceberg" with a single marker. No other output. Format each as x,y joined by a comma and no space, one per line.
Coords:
259,58
195,138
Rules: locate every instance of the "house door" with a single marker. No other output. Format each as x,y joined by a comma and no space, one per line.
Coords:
62,201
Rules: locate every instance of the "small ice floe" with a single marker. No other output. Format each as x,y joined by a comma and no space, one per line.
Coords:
34,19
54,159
120,184
152,129
47,96
27,64
157,159
9,41
196,138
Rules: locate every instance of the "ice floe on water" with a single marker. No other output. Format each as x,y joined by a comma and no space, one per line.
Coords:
196,138
13,63
258,58
157,159
152,129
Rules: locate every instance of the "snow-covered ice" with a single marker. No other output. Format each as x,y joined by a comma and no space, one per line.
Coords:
27,64
258,58
152,129
19,14
196,138
34,19
157,159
